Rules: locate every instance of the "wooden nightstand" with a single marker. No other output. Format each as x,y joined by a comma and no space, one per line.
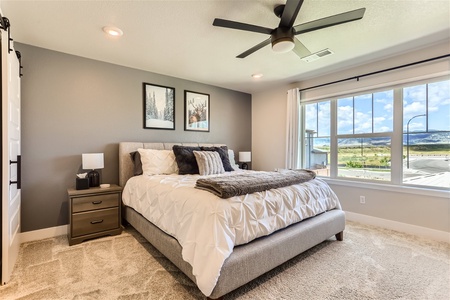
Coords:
93,213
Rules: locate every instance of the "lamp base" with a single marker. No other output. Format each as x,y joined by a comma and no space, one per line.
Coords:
94,178
244,166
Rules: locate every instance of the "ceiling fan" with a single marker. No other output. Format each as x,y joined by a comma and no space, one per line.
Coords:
283,37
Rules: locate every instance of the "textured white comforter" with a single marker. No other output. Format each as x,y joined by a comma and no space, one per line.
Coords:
208,227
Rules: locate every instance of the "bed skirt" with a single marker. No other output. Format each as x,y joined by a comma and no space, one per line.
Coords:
251,260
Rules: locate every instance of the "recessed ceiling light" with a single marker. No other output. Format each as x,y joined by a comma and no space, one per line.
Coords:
112,31
259,75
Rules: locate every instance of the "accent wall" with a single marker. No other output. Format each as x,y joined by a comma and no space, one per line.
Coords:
73,105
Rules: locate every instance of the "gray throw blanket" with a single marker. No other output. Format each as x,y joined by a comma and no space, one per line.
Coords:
247,183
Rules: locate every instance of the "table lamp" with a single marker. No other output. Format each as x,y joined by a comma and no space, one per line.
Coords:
93,161
244,158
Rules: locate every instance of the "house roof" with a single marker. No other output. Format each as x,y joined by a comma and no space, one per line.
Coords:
177,38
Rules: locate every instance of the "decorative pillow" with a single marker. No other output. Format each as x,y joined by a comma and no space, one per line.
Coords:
156,162
233,163
187,164
223,152
209,162
136,158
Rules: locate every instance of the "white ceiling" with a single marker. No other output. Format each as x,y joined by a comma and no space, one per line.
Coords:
176,38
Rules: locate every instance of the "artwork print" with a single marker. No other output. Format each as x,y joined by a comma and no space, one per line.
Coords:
196,108
159,107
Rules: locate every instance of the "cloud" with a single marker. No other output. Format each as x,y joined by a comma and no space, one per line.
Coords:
414,108
383,129
388,107
345,119
415,126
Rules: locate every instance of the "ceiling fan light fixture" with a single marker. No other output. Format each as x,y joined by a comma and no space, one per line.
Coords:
283,45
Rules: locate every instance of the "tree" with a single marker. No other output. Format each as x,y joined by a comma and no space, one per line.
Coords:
152,111
169,109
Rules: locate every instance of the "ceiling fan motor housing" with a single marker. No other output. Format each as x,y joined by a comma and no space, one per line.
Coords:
282,39
278,10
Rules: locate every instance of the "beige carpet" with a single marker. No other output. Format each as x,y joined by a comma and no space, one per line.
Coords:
371,263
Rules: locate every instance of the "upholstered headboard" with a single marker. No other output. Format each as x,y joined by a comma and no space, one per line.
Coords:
126,166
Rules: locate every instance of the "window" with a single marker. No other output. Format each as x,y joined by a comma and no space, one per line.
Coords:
366,158
426,134
361,151
317,137
369,113
398,135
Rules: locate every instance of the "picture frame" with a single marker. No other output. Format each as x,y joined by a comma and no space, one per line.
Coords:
159,106
196,111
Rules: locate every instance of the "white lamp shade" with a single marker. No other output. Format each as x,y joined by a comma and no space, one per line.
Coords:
245,156
92,161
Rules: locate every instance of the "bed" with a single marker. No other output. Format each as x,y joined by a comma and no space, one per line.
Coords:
246,261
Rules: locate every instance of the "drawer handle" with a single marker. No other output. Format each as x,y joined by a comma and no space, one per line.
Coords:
97,202
97,222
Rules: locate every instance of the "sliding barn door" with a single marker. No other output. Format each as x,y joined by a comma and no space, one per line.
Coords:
11,160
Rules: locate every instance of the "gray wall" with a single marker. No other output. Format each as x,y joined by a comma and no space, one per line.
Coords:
72,105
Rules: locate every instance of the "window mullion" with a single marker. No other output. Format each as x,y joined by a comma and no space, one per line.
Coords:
301,136
397,139
426,109
333,139
373,116
353,107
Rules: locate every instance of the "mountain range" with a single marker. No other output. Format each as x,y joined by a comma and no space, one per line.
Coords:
435,138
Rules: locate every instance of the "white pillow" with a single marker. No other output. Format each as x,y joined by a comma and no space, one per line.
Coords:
233,163
156,162
209,162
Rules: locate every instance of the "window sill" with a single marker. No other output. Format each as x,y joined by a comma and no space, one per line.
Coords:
442,193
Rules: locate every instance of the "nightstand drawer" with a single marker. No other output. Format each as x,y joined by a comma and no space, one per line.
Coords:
95,202
95,221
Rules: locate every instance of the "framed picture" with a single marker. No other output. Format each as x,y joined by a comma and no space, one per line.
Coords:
159,107
196,111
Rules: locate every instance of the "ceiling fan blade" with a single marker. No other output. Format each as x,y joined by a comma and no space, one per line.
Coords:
330,21
300,49
241,26
290,13
254,49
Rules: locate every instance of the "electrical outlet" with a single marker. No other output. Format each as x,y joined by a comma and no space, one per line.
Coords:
362,199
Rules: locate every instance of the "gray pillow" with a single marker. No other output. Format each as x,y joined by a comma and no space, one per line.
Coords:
184,155
223,152
136,158
209,162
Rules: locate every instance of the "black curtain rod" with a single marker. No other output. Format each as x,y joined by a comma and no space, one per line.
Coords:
376,72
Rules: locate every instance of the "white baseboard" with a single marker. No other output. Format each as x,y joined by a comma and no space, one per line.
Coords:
424,232
41,234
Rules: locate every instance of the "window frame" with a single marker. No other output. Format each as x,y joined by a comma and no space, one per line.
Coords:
396,134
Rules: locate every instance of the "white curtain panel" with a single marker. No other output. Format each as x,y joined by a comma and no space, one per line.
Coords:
293,131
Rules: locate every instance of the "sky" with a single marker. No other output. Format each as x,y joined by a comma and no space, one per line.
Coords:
374,112
366,113
414,103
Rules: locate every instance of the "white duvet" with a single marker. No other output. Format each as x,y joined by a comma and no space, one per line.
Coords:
208,227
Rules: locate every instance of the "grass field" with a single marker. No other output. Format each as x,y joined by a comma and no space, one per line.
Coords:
379,157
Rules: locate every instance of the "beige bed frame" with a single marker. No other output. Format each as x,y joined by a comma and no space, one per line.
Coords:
248,261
